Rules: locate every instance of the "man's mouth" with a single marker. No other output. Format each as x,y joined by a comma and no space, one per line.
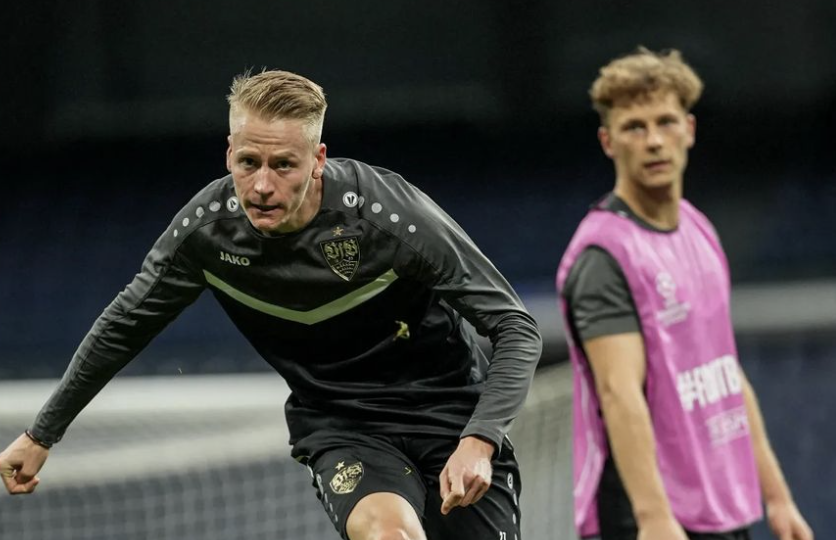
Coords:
265,207
658,164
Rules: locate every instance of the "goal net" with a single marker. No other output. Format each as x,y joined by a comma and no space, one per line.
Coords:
206,457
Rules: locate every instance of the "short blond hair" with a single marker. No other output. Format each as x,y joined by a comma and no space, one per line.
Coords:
641,74
279,95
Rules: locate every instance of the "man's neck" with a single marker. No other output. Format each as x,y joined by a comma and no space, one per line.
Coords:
658,207
311,205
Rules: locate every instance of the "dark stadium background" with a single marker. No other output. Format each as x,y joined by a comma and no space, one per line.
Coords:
113,115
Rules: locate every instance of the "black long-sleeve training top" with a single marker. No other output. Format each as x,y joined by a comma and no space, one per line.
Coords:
360,311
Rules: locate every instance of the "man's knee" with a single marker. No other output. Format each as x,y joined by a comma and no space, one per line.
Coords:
384,516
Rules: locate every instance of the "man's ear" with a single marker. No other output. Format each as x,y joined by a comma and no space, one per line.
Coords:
229,154
605,140
320,157
692,130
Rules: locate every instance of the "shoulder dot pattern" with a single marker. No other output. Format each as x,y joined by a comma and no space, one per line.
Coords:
185,222
378,208
214,206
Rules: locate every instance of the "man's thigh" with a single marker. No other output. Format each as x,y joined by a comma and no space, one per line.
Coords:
497,514
345,467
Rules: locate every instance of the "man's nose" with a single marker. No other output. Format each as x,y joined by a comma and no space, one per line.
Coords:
263,186
654,138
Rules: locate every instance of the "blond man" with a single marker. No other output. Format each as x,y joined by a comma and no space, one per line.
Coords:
669,443
353,285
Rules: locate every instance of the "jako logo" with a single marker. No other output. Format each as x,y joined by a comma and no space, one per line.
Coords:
234,259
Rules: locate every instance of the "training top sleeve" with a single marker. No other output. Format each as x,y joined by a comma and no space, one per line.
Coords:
599,299
443,257
166,284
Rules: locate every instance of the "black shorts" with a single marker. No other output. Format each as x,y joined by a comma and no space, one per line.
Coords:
615,513
346,467
742,534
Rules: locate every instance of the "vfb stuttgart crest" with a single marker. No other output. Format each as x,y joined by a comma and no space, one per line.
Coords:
347,479
342,255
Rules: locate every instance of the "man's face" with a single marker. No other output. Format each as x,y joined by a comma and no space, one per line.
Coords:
275,169
648,140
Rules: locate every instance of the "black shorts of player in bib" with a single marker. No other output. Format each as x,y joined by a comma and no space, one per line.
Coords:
346,467
615,513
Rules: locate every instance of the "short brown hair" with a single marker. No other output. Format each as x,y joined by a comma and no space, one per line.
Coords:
641,74
275,95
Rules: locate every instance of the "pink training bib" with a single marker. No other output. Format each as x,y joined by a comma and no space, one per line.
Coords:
680,285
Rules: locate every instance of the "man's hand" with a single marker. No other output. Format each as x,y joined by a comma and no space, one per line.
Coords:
19,463
467,474
786,522
663,528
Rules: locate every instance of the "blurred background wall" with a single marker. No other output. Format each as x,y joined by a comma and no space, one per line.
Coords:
113,115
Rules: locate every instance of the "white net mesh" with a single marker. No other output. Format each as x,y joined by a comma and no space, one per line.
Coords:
206,457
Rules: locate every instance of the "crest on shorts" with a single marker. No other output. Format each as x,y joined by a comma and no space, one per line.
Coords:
347,479
342,255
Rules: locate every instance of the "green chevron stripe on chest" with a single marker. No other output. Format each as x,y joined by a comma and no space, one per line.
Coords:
312,316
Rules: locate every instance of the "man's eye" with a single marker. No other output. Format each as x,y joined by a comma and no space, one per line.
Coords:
247,162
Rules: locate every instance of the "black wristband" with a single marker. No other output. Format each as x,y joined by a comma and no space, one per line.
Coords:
37,440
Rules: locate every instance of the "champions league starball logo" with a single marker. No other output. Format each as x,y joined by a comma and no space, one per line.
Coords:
674,310
666,287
